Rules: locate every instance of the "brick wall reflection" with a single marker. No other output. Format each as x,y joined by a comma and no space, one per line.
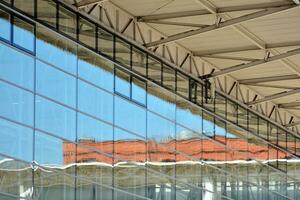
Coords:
152,151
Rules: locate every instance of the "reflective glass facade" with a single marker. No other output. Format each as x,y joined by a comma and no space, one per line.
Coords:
85,115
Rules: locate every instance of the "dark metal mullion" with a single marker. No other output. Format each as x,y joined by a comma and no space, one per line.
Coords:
57,17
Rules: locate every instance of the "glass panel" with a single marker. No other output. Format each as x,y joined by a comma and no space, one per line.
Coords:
253,123
55,158
26,6
105,42
138,89
154,70
16,179
53,152
50,184
122,52
95,69
199,94
232,111
16,104
139,61
55,118
169,77
67,22
23,34
161,101
263,128
7,1
16,67
5,25
56,50
55,84
95,101
46,12
243,118
208,125
87,33
220,105
96,134
160,131
161,146
182,85
189,115
100,175
122,82
130,116
128,175
16,141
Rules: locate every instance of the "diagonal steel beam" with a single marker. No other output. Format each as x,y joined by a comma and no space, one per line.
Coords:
86,3
268,79
289,105
176,23
255,63
292,124
213,27
171,15
275,96
246,48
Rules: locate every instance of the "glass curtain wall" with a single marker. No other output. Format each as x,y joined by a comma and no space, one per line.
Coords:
76,125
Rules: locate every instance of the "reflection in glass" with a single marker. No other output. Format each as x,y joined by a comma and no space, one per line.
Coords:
51,151
46,12
105,42
95,101
51,184
95,69
130,116
128,175
139,61
160,130
188,116
23,34
56,50
161,101
220,105
87,33
26,6
67,22
95,133
16,67
169,77
5,25
138,89
55,84
182,85
123,52
16,104
54,118
122,82
16,141
16,179
154,70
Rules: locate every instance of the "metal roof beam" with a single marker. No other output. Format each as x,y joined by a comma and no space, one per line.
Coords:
231,58
255,63
268,79
275,96
289,105
86,3
171,15
292,124
221,25
246,48
177,23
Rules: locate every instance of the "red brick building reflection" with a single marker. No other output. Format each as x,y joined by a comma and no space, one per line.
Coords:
151,151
